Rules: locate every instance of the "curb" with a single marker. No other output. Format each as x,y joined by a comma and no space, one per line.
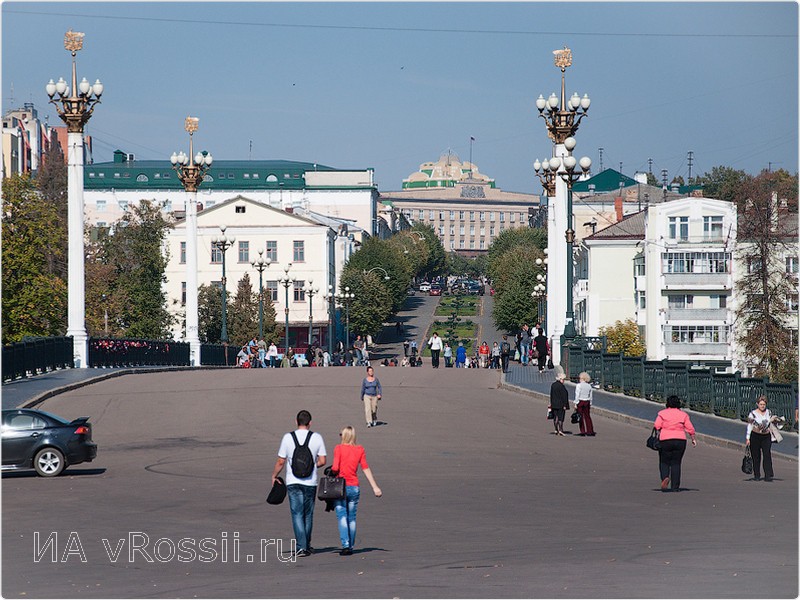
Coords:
603,412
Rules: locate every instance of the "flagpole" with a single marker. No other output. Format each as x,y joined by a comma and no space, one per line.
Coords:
471,139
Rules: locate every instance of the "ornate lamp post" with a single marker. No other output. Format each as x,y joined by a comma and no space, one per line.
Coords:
223,243
540,290
310,292
190,170
75,106
345,299
385,274
562,116
547,177
330,297
260,265
286,282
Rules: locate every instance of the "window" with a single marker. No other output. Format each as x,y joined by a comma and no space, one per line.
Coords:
696,262
123,204
511,216
696,334
241,210
167,206
502,217
247,175
753,265
421,214
140,178
461,229
791,304
183,253
116,175
271,289
244,252
679,228
472,244
638,266
452,229
430,215
452,215
483,216
299,293
183,292
641,299
441,229
718,301
491,230
680,301
491,216
216,254
272,250
483,245
101,206
461,215
712,228
299,251
25,421
483,230
461,244
472,229
791,265
441,215
472,215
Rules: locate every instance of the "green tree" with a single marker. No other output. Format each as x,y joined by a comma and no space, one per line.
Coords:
436,262
273,331
243,313
513,238
514,306
414,251
767,234
623,337
209,313
379,254
372,304
722,183
34,295
51,182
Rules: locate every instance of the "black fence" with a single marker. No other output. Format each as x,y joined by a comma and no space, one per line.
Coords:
215,354
26,359
701,388
124,352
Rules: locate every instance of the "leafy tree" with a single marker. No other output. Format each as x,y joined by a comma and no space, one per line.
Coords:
413,250
651,180
436,259
374,253
514,306
372,304
767,234
209,313
242,314
623,337
103,296
513,238
51,182
34,293
460,265
722,183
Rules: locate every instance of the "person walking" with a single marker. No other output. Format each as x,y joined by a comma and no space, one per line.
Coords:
304,451
505,353
672,424
461,356
347,457
435,346
524,345
371,392
272,354
559,401
760,438
358,346
495,356
542,349
483,355
448,356
262,353
583,403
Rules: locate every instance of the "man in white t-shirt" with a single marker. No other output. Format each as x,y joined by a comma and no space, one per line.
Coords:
302,491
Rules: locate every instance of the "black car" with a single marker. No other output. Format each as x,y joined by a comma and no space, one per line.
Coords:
34,439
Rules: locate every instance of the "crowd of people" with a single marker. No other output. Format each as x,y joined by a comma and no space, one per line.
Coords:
258,354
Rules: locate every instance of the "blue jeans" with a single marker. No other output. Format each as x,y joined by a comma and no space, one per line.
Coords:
523,353
301,506
346,515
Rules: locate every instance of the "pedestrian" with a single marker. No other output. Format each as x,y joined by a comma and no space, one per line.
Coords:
347,457
495,356
583,403
371,392
461,356
524,344
243,358
405,348
448,356
483,355
435,346
326,359
301,487
505,353
262,353
272,354
413,346
559,401
542,347
672,424
760,438
399,328
358,346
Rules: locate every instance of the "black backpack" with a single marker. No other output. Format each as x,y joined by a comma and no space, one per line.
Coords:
302,459
505,348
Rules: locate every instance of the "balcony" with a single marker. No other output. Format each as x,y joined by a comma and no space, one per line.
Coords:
696,240
582,288
674,350
697,314
697,281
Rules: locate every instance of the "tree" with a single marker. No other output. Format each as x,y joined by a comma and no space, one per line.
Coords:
513,238
623,337
51,182
379,254
372,304
436,259
414,251
243,313
722,183
209,313
767,234
34,295
514,306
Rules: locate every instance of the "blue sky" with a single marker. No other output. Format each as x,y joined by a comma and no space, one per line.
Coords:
392,85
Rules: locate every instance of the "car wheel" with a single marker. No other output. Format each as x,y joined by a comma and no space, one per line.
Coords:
49,462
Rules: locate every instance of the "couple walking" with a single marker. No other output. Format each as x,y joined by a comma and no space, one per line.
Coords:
302,489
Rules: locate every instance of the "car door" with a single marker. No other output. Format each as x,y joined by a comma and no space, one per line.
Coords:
22,433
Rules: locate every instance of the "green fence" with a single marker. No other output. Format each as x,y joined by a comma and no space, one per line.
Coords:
701,388
34,357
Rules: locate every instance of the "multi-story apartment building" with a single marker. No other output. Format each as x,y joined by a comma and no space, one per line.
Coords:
25,140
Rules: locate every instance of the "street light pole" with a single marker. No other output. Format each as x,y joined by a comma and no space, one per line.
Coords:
260,265
286,282
345,299
223,243
330,297
191,170
310,292
74,106
540,290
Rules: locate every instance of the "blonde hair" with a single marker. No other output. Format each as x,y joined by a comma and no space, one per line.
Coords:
584,376
348,435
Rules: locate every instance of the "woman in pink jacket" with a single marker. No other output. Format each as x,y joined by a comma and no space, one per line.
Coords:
672,424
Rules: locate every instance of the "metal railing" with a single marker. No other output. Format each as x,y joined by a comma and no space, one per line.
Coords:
126,352
29,358
700,388
219,354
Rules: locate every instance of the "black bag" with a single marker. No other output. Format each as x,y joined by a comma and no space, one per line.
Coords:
550,414
302,459
278,492
505,348
747,462
550,364
575,418
653,442
330,486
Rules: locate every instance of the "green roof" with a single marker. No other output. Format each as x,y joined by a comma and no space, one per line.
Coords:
605,181
223,174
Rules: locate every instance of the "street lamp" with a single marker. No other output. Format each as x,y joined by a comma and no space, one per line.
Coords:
104,298
330,297
386,275
286,282
223,243
74,106
310,292
191,173
260,265
345,299
547,177
562,117
570,176
540,290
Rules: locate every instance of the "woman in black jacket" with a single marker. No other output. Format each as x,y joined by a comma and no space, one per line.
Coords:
559,400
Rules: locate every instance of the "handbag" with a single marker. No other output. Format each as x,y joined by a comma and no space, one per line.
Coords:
550,414
550,364
278,492
653,442
575,418
516,354
330,487
747,462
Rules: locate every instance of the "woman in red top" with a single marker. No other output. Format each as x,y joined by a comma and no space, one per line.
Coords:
347,457
672,424
483,354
